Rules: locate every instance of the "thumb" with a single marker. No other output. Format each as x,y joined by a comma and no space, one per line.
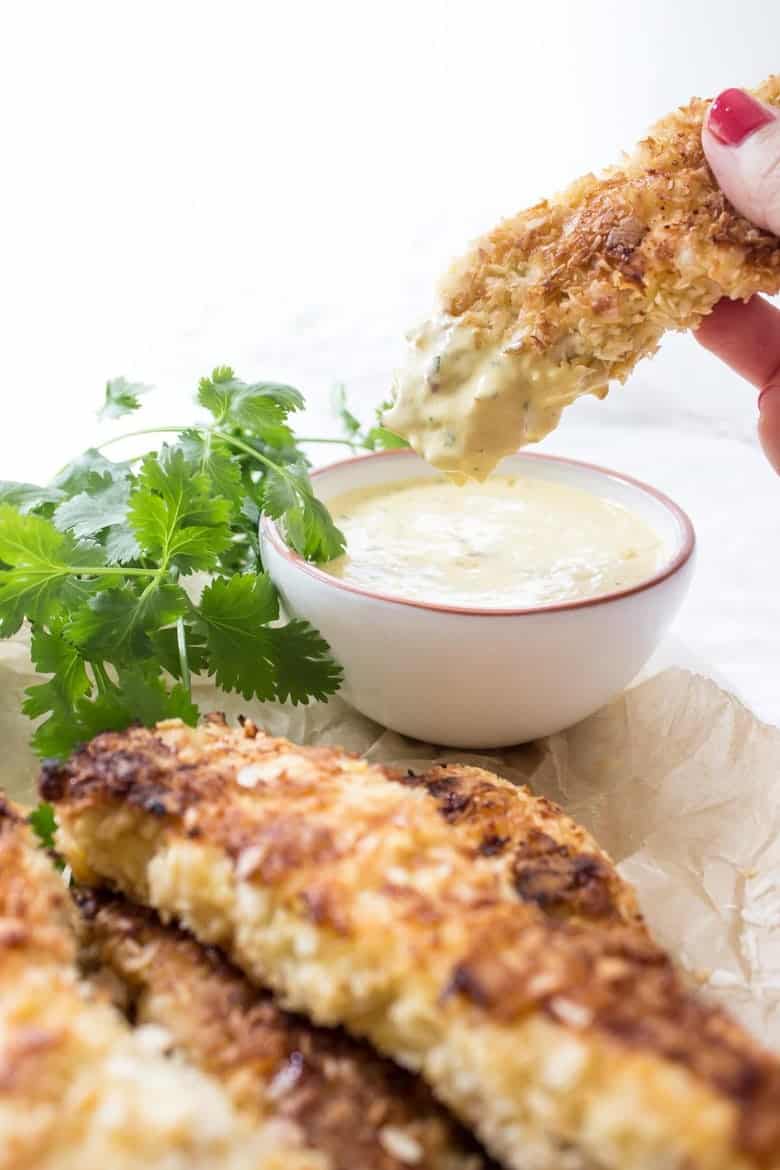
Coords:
741,139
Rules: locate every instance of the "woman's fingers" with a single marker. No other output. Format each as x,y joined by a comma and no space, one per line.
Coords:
769,424
747,338
741,139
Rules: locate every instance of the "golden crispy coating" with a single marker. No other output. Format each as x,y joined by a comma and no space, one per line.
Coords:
569,295
78,1090
350,1104
648,246
468,929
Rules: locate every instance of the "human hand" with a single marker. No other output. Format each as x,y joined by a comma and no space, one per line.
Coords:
741,139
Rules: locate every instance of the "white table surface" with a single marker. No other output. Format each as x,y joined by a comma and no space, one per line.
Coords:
279,186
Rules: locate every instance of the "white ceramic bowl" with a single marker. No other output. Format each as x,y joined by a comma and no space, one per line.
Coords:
486,678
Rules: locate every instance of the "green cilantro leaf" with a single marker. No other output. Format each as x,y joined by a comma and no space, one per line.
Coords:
215,393
57,698
98,496
250,512
138,697
306,522
44,824
215,459
174,515
248,655
61,733
46,569
87,514
282,488
116,625
90,472
233,615
28,497
350,425
377,437
93,562
260,408
121,545
310,530
52,653
166,648
263,408
304,667
121,398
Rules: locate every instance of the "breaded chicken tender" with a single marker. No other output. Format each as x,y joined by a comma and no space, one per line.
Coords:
470,930
78,1090
355,1108
568,296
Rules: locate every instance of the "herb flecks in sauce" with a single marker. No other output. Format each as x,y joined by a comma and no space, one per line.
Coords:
463,404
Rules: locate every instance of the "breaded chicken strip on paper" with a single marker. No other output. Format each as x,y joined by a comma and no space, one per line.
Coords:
469,930
78,1089
568,296
360,1111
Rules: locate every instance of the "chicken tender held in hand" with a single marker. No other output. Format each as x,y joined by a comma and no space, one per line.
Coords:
568,296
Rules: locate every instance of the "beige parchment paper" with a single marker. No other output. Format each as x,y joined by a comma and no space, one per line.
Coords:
676,779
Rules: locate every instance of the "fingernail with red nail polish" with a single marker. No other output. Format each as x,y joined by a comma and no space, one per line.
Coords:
734,115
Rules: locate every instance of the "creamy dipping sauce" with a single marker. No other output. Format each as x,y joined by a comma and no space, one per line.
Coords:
510,543
463,405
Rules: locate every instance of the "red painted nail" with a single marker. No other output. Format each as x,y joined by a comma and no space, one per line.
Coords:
734,115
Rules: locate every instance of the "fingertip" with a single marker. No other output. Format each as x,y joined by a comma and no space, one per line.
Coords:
722,325
769,424
741,142
735,114
745,335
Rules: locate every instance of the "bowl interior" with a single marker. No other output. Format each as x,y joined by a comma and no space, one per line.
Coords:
671,524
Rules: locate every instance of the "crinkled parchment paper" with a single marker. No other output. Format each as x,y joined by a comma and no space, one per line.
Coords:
676,779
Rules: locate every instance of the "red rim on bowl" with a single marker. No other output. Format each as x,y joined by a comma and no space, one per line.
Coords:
272,533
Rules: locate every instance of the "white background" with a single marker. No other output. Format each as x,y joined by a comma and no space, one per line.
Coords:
277,185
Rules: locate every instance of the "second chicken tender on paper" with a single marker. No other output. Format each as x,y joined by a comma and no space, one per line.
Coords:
79,1090
353,1107
471,931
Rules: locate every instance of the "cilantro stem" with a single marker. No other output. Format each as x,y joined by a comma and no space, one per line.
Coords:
101,677
184,662
105,571
240,445
232,441
181,644
185,500
206,449
207,431
145,431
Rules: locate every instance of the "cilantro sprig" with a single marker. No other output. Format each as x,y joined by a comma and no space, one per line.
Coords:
374,438
98,562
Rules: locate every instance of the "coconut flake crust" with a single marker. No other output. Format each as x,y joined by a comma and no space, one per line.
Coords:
619,258
469,930
568,296
78,1089
354,1107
